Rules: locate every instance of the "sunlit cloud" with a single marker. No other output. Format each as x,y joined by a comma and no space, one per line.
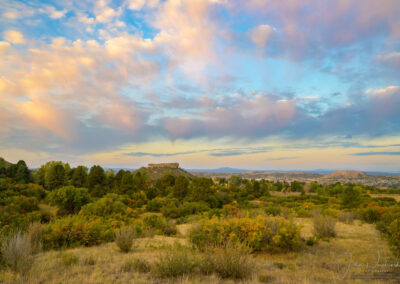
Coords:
259,82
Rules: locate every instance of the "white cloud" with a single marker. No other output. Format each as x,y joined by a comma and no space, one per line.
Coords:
14,37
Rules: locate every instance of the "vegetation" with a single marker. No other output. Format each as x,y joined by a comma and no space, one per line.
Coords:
226,221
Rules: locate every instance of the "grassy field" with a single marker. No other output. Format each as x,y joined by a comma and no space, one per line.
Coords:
325,262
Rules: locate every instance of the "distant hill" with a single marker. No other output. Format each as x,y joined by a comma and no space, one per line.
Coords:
4,163
347,174
225,170
156,171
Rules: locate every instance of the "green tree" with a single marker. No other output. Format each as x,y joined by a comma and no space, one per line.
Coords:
22,173
126,186
181,187
54,177
79,176
351,197
70,199
96,181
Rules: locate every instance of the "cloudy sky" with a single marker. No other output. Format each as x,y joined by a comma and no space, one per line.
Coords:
258,84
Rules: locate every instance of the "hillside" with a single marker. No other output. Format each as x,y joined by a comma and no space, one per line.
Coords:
4,163
346,174
156,171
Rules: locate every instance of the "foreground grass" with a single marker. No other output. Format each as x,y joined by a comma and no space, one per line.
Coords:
321,263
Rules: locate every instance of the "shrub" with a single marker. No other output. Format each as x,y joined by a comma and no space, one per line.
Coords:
232,260
324,226
160,224
124,238
16,252
273,234
72,231
69,259
135,264
370,215
107,206
70,199
394,235
175,261
89,260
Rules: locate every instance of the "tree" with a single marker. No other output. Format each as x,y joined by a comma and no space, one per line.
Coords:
79,176
126,186
22,173
96,181
181,187
351,197
69,198
201,190
54,177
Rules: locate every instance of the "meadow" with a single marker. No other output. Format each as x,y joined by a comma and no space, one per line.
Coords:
73,225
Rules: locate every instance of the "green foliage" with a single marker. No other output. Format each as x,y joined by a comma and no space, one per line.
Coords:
160,224
79,176
370,215
155,204
110,205
273,234
181,187
73,231
96,181
54,177
351,197
69,199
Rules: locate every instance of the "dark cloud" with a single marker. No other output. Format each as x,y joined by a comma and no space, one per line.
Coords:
376,154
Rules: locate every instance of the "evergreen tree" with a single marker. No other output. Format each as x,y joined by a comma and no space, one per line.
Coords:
79,176
55,177
22,174
96,181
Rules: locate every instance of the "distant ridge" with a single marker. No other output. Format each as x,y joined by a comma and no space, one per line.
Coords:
346,174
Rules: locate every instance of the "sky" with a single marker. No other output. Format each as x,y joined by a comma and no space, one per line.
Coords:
254,84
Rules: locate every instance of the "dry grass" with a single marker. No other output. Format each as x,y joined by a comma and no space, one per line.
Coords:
17,253
324,226
317,264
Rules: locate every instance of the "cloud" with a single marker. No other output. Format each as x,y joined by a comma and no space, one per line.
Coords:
376,154
14,37
282,158
137,5
53,12
261,34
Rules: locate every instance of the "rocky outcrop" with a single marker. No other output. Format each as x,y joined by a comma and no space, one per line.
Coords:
164,165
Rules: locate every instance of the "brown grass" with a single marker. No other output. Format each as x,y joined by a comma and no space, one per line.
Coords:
316,264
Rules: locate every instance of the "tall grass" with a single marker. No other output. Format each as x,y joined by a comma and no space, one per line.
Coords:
232,260
176,261
17,252
324,226
124,238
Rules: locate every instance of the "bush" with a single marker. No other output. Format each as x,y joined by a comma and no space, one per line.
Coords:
16,252
394,235
324,227
107,206
370,215
232,260
273,234
124,238
160,224
175,261
72,231
70,199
